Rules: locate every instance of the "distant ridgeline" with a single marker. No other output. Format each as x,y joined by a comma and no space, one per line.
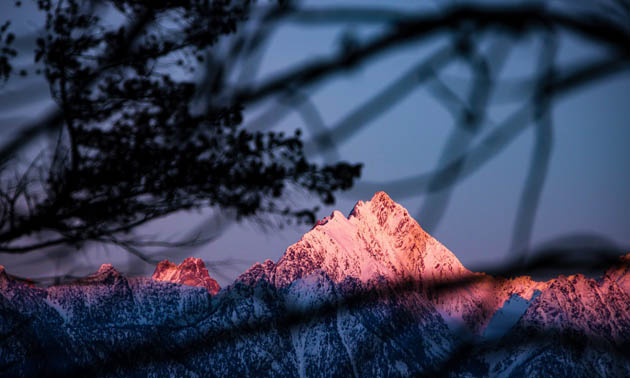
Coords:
371,295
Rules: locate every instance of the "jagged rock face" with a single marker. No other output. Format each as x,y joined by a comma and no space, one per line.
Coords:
576,327
587,306
356,296
191,272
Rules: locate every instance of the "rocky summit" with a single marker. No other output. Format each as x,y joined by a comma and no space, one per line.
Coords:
368,295
191,272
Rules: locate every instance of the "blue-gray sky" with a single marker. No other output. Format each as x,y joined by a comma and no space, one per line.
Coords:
587,187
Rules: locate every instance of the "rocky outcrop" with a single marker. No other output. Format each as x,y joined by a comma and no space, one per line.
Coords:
191,272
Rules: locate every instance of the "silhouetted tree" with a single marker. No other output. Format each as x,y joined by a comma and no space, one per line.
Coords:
133,142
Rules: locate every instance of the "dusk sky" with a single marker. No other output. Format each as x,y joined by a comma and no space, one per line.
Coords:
587,189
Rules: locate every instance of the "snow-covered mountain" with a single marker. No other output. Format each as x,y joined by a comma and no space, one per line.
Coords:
371,294
379,240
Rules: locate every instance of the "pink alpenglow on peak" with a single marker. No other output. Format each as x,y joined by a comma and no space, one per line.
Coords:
380,239
191,272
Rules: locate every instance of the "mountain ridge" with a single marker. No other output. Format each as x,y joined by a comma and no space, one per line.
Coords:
355,247
355,296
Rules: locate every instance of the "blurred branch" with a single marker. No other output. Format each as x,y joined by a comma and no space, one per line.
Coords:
470,123
513,19
541,155
52,118
501,136
397,90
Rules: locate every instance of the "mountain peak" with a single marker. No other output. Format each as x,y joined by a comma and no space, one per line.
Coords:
335,215
107,269
105,272
379,238
381,198
380,203
192,272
